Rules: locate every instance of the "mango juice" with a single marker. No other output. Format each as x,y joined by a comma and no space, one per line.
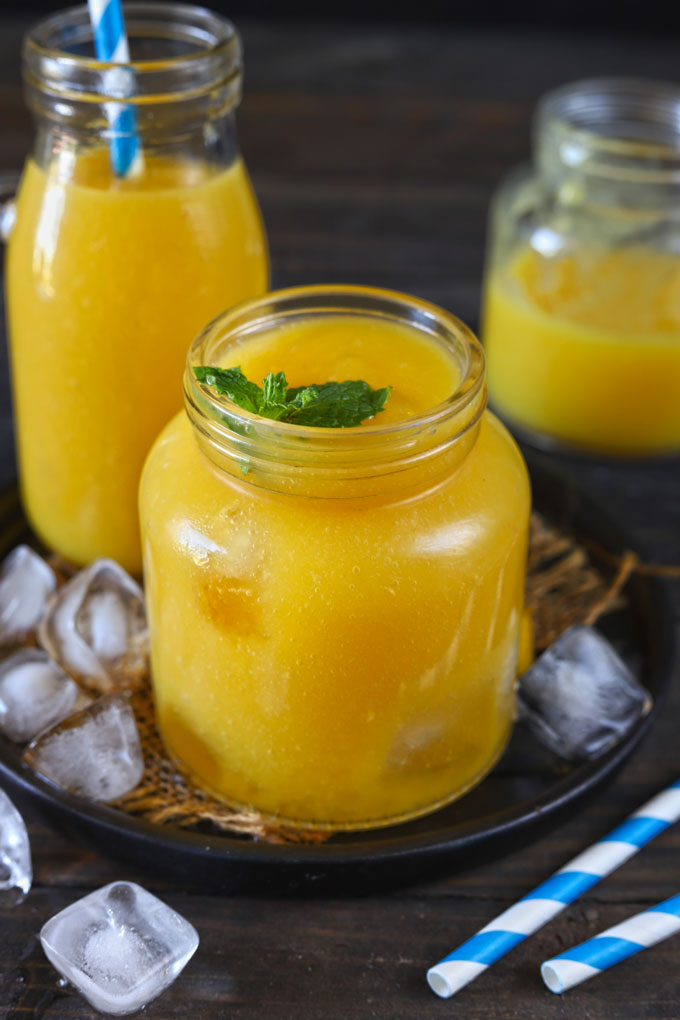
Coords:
108,280
337,657
584,348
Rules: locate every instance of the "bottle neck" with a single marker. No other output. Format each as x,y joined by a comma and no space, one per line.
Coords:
184,75
613,145
388,461
196,152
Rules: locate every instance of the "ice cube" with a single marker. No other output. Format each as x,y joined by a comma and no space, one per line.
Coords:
580,697
120,946
95,627
34,694
26,582
95,753
16,873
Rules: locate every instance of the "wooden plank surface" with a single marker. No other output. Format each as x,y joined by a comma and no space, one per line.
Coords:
374,151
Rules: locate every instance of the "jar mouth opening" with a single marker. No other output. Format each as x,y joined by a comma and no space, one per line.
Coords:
621,128
176,51
283,306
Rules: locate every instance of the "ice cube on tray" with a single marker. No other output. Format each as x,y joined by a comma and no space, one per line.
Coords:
120,946
16,873
579,697
95,753
35,693
95,627
26,582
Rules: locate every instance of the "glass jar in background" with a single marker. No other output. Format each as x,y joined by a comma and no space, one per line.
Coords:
335,613
581,316
109,277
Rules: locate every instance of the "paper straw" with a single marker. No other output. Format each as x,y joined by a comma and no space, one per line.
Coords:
612,946
111,45
542,904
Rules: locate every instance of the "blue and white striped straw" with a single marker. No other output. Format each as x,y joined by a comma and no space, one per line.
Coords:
542,904
612,946
111,45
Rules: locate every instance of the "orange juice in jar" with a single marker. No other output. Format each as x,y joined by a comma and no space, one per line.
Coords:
581,320
335,612
109,277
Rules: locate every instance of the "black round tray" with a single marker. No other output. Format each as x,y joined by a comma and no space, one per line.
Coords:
527,793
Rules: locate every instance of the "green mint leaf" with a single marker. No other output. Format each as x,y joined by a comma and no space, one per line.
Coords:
231,382
273,404
330,405
275,386
302,397
338,405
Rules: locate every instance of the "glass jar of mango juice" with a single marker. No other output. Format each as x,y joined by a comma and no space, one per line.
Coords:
335,612
110,275
581,319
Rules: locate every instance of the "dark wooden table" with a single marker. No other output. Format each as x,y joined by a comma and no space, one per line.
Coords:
374,151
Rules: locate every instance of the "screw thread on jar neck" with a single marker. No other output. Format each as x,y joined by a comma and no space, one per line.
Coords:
618,138
182,57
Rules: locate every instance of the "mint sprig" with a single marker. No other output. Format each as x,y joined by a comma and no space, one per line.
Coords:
331,405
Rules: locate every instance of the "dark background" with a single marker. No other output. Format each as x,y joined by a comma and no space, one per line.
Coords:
635,16
375,137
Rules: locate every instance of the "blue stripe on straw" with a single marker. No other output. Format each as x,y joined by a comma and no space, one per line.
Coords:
671,906
565,886
637,830
601,952
124,144
109,30
486,947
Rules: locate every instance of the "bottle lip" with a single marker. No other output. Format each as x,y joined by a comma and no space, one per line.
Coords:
58,55
337,299
625,129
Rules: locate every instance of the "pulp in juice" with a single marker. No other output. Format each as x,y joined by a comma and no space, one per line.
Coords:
337,661
108,281
585,348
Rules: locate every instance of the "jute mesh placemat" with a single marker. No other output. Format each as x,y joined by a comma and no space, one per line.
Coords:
564,587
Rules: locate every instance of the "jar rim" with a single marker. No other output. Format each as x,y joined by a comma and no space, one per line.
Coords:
286,455
347,299
627,129
212,57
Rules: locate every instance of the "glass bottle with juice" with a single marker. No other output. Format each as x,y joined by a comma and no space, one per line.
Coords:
581,318
335,612
109,276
